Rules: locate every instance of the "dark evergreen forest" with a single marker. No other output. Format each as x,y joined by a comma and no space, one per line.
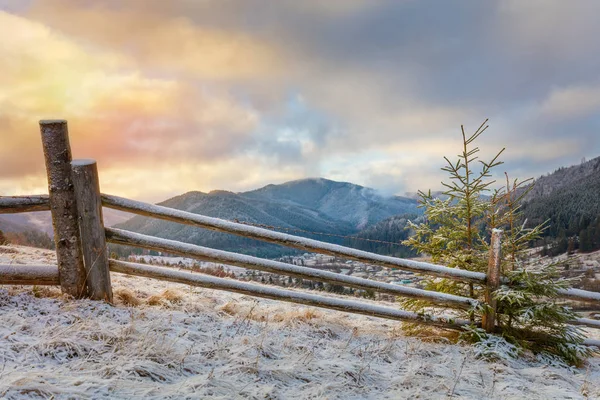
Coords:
391,230
573,214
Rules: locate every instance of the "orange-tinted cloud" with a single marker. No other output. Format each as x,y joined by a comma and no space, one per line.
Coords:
151,39
190,95
116,112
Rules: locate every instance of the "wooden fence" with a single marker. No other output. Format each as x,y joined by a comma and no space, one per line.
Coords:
84,267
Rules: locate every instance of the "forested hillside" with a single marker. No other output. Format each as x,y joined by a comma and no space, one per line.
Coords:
569,199
385,237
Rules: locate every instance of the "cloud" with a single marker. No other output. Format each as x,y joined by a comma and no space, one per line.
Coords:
158,179
116,113
370,92
572,102
156,42
170,176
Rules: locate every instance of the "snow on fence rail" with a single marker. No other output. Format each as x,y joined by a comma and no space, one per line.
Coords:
16,204
579,295
591,323
285,239
19,204
220,225
83,267
17,274
122,237
334,303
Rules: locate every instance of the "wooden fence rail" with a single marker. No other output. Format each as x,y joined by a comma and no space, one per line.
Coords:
580,295
334,303
173,215
21,204
84,269
118,236
18,274
590,323
122,237
297,242
47,275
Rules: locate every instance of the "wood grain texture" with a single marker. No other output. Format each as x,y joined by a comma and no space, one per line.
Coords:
297,242
122,237
91,228
63,206
20,204
17,274
298,297
493,281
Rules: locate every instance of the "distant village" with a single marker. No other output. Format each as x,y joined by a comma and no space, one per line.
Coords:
585,267
320,261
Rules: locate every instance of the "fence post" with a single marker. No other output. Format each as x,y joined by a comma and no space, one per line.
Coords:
63,206
493,280
91,228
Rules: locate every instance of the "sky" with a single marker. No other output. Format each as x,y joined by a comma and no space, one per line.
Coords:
181,95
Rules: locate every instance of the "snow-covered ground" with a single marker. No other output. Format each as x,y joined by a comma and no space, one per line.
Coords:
182,342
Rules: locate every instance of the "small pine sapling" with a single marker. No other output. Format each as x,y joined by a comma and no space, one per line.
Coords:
456,233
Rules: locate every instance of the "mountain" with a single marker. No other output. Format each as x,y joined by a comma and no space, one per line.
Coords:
6,225
565,178
42,221
35,228
38,221
316,205
17,232
569,199
357,205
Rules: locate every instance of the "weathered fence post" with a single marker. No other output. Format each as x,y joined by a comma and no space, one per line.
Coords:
493,280
57,153
91,228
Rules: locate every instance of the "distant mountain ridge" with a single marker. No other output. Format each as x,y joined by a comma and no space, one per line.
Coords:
565,177
569,198
37,221
7,225
35,228
360,206
315,204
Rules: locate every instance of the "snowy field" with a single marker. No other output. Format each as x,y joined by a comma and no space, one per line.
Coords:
165,340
